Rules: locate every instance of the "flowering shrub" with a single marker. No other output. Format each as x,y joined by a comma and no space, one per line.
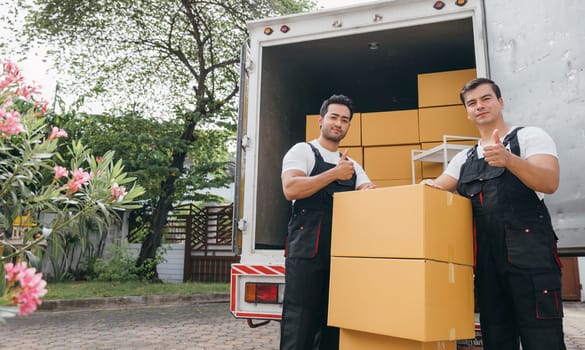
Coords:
34,179
24,288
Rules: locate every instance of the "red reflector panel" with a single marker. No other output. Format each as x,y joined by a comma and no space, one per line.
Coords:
439,5
263,293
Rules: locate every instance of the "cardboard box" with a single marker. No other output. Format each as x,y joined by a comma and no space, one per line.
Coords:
410,222
434,122
355,153
390,162
431,170
415,299
442,88
353,137
354,340
312,128
390,128
394,182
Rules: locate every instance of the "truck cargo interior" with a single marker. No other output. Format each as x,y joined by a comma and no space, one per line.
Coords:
378,70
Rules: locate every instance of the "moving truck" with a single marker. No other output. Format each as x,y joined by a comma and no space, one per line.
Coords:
380,54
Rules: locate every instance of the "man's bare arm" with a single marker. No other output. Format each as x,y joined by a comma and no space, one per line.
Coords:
539,172
297,185
444,182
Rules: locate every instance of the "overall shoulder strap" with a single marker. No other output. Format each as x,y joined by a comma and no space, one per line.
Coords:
512,139
472,151
316,152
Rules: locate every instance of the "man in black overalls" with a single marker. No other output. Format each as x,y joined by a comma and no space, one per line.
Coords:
517,271
312,173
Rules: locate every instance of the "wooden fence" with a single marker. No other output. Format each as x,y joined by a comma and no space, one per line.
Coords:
207,235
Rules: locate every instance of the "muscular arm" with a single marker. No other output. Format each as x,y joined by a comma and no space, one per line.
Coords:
297,185
539,172
443,182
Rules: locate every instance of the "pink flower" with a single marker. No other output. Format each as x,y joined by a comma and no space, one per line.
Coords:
43,107
27,91
11,75
57,133
9,123
27,286
13,272
118,191
60,172
80,178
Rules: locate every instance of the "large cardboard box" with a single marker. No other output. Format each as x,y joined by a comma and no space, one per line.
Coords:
415,299
390,128
354,340
353,137
442,88
390,182
390,162
411,222
434,122
431,170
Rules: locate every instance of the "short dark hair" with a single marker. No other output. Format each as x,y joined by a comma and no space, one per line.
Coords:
338,100
477,82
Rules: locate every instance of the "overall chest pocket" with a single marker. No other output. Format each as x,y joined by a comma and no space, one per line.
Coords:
530,246
480,184
304,230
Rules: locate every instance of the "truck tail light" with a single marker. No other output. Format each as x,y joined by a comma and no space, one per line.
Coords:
264,293
439,5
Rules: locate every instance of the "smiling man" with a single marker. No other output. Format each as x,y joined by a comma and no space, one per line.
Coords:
311,173
517,271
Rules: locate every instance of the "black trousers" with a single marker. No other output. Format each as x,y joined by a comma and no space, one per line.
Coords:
304,317
519,305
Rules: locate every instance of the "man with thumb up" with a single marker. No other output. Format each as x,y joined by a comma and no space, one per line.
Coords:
311,173
517,269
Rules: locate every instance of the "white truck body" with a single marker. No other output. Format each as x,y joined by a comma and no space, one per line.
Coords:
533,49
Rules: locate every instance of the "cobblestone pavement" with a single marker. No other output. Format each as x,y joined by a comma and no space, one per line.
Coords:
574,325
196,327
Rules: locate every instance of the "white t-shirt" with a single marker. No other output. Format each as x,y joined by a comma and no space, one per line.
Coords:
301,157
532,140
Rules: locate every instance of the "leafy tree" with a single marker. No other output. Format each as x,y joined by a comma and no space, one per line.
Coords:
173,57
147,146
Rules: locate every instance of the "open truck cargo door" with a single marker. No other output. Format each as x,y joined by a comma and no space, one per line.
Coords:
372,53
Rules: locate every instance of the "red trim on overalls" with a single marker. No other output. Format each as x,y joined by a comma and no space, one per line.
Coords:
556,254
317,243
475,234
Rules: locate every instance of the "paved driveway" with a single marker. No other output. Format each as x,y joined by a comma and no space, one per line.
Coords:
195,327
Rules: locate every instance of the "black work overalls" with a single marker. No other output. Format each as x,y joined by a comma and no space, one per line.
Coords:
517,274
308,250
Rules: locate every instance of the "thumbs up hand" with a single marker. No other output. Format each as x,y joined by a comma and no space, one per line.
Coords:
344,169
496,154
496,137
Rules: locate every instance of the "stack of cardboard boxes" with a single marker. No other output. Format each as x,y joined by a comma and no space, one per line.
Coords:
382,141
440,112
401,269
